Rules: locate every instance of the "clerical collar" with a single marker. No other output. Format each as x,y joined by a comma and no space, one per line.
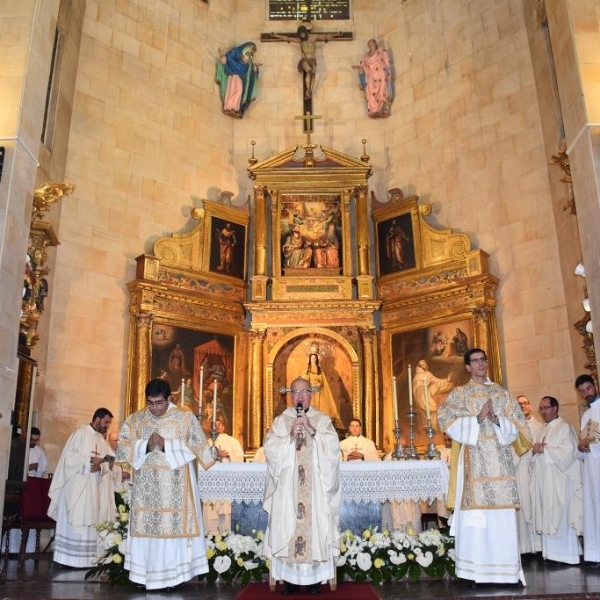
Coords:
487,381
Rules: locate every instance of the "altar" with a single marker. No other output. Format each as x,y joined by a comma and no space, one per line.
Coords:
366,486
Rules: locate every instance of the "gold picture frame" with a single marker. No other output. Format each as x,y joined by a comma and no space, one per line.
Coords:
432,356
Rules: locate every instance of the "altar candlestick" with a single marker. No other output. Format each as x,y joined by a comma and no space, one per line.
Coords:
201,391
426,397
410,399
395,398
214,415
182,393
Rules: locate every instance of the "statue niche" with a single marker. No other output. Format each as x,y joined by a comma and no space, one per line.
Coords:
326,365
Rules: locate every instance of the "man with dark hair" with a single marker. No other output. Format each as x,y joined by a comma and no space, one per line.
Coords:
485,420
38,464
356,446
76,491
302,494
162,443
556,486
589,446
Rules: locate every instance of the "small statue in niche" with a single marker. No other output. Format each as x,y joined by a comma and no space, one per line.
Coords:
375,79
237,76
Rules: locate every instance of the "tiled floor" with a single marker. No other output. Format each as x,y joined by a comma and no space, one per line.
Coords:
544,580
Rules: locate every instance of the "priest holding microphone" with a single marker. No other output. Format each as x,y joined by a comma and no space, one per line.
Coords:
302,494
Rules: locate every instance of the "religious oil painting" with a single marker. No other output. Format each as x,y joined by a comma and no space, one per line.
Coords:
430,360
199,366
311,234
325,364
395,245
227,247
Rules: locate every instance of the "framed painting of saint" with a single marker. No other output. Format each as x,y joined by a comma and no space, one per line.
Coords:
199,366
396,245
227,247
429,361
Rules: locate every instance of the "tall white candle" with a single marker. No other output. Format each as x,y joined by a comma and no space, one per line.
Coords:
214,419
395,398
182,393
201,391
426,387
410,399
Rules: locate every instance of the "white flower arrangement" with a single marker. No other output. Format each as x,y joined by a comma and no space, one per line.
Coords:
376,556
380,556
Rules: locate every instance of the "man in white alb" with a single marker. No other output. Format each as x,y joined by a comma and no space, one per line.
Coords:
557,487
528,541
217,515
589,446
38,464
485,419
76,492
356,446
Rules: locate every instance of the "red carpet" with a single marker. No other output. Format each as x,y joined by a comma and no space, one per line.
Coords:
346,591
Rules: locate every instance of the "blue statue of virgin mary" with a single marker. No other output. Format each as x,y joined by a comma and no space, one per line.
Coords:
237,76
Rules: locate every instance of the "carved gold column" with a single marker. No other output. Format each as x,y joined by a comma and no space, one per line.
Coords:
363,276
41,236
368,392
255,414
143,357
259,278
486,338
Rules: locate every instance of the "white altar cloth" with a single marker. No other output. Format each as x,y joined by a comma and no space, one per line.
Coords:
361,481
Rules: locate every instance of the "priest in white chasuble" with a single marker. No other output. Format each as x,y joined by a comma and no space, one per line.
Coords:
162,443
485,420
76,493
557,486
302,494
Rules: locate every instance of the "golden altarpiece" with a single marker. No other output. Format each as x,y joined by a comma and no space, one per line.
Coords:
317,279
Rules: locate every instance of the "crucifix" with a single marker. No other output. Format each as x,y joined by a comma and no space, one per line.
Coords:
307,65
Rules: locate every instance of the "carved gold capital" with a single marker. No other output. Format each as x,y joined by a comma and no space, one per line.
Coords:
144,320
46,195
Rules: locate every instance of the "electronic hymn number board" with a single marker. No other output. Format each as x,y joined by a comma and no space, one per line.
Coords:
320,10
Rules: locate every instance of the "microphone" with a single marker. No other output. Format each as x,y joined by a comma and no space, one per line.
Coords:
299,434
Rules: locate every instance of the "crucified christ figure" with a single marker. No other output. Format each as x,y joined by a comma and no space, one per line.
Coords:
307,65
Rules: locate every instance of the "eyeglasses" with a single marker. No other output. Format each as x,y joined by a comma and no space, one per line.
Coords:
545,407
156,404
298,392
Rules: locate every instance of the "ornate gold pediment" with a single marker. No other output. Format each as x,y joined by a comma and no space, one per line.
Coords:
315,162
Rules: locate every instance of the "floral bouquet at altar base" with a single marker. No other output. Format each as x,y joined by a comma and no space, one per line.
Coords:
375,556
113,541
394,555
236,558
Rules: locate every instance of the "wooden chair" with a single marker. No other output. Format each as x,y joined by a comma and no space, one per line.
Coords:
34,509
